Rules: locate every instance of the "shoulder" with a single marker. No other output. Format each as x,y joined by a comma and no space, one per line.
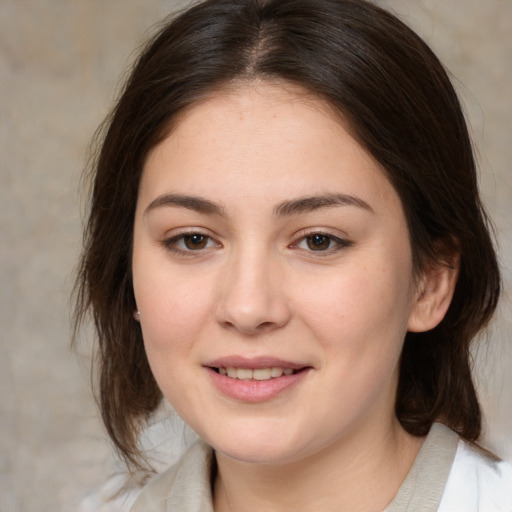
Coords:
477,482
184,486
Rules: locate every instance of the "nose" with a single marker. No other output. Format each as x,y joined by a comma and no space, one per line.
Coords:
252,298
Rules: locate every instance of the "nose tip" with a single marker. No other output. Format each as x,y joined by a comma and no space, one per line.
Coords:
252,302
249,323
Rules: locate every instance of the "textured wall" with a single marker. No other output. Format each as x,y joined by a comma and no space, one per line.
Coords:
59,65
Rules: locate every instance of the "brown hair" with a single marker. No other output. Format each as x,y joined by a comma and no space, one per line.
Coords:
400,105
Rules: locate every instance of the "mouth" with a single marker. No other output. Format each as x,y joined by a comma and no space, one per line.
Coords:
257,374
257,379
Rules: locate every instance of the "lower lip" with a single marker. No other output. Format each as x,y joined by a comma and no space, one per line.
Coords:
255,390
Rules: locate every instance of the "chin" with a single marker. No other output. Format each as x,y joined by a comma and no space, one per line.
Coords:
265,448
266,455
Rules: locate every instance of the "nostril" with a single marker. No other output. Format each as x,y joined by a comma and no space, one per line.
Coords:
252,315
249,328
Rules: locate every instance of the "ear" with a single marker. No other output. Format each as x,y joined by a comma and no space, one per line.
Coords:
434,295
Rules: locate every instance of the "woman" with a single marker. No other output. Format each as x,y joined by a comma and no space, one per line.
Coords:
286,242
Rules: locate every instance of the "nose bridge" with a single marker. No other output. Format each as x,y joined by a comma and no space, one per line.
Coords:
252,299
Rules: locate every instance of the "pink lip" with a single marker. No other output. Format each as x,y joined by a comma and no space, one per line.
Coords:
253,391
253,363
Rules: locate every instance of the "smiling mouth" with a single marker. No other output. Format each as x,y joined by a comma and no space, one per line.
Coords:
257,373
255,380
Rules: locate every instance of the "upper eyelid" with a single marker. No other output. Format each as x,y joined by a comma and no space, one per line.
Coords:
299,236
170,239
336,239
177,232
177,236
339,243
303,233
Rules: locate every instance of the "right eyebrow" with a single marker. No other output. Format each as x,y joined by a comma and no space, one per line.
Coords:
198,204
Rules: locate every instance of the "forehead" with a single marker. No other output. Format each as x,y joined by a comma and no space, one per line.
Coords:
262,139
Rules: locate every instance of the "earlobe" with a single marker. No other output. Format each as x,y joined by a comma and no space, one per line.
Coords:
434,295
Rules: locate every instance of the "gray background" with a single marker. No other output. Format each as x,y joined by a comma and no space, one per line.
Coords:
60,63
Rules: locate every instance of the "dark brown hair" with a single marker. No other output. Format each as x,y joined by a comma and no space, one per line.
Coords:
399,103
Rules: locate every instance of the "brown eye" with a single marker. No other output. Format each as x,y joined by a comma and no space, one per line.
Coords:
322,243
189,243
318,242
195,241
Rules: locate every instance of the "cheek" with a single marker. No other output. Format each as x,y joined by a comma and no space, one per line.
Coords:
173,317
363,308
174,309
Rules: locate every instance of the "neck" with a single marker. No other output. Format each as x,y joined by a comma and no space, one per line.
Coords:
362,473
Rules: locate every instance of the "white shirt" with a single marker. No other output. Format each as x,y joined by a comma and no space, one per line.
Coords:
477,483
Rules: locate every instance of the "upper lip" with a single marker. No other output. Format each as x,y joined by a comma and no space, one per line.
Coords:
253,363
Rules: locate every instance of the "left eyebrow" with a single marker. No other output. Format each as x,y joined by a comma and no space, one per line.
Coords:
308,204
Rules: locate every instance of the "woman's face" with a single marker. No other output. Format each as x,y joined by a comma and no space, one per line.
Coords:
273,273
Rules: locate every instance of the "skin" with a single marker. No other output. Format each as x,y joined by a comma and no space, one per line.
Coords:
253,285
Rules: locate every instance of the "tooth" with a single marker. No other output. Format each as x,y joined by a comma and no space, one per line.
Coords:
244,373
256,374
276,372
261,374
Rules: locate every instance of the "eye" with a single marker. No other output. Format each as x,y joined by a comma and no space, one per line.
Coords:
321,242
189,242
195,241
318,242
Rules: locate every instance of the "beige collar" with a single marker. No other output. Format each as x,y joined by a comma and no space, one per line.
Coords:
186,486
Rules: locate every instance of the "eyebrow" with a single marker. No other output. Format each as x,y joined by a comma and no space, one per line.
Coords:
284,209
308,204
198,204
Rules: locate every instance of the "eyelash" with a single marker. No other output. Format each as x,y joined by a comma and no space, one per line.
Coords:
171,244
335,243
